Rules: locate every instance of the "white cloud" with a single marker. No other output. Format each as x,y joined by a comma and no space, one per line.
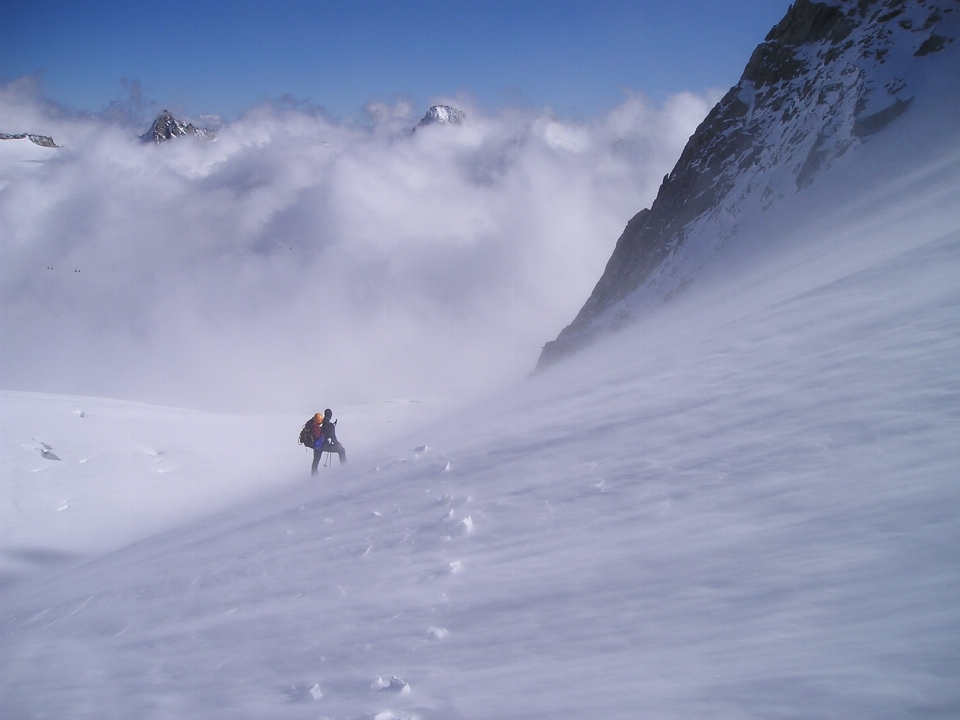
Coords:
296,260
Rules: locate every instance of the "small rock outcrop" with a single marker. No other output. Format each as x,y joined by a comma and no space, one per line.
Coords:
167,127
825,79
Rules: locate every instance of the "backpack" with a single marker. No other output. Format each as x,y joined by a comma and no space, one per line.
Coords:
306,435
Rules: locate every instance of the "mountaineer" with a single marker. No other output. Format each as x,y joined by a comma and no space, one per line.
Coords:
320,434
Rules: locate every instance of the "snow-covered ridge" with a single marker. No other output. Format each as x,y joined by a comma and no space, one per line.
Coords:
41,140
824,80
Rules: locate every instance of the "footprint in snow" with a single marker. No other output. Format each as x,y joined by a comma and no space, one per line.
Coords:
46,451
461,527
305,693
436,468
396,685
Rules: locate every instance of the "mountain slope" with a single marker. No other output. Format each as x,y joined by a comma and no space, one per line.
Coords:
744,505
826,78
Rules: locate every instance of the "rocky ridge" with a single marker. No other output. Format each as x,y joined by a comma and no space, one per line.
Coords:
827,77
41,140
167,127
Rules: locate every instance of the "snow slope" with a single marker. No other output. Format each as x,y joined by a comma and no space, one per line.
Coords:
20,156
745,505
83,476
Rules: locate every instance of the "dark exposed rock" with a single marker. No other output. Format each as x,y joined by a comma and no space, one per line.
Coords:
810,22
933,44
43,141
772,63
878,121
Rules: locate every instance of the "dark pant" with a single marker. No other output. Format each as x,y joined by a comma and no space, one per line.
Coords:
330,448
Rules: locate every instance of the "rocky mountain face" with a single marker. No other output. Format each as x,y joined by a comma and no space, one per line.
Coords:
41,140
442,115
166,127
825,79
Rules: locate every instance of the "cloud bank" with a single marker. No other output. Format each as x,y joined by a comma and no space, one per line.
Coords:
299,261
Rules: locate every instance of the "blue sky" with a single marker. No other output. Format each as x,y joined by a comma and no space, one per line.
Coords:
576,58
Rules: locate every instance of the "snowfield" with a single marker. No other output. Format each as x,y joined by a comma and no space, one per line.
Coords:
746,505
83,476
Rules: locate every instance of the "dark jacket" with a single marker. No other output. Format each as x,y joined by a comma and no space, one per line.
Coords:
329,430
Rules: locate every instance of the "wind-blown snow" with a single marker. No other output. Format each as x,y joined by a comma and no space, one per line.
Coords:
296,258
84,476
746,505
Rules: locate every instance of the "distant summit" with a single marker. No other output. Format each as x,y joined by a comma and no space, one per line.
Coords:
41,140
166,127
442,115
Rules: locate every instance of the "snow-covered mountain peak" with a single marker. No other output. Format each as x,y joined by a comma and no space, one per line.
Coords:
825,79
166,127
442,115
